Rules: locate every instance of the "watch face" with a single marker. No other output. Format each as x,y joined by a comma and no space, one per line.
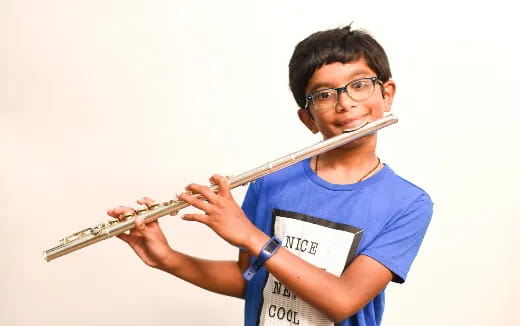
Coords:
271,246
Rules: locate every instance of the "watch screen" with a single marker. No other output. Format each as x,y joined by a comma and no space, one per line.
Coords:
271,245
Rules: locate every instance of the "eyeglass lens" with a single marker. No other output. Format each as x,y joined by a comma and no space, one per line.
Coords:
358,90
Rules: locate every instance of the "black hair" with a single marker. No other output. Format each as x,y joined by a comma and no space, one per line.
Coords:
335,45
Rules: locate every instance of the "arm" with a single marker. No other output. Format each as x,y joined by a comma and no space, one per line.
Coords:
224,277
337,296
150,244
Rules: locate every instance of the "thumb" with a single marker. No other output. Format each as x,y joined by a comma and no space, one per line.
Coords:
140,226
148,230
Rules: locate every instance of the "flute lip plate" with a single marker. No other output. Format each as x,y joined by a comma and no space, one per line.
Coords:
355,128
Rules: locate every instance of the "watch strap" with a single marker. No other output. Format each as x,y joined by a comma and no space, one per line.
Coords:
267,252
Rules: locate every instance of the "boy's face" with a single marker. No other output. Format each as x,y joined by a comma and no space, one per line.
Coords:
347,113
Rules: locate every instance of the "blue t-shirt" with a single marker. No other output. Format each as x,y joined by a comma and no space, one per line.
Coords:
384,217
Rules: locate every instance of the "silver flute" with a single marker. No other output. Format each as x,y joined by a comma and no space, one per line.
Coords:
151,213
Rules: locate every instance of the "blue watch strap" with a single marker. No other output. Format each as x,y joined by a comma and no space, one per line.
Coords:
267,251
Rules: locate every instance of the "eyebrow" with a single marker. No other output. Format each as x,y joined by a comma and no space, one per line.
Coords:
351,76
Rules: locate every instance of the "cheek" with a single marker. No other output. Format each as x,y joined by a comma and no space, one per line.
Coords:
379,106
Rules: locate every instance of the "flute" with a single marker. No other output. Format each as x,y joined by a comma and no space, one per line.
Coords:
114,227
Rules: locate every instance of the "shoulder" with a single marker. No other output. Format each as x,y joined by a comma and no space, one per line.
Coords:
397,198
403,189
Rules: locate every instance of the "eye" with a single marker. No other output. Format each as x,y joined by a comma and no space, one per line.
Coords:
361,84
324,95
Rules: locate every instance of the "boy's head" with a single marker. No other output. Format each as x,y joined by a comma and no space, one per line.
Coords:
335,45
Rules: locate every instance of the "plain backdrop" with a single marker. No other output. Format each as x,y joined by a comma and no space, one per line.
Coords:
102,102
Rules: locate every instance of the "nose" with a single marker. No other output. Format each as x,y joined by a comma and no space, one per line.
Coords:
344,102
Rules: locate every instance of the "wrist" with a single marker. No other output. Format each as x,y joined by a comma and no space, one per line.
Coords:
267,251
255,242
169,262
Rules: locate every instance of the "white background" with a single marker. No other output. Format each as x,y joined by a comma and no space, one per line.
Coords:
102,102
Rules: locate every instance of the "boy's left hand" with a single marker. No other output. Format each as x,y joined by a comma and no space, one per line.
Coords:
222,214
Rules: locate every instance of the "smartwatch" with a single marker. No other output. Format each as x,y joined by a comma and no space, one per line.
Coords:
267,251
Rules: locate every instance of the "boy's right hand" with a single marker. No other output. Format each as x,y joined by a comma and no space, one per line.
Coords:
147,240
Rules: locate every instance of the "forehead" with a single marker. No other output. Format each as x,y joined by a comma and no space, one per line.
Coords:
338,74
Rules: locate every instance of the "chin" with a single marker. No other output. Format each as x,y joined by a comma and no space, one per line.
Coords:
368,141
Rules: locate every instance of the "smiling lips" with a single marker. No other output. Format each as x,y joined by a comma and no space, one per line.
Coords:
352,124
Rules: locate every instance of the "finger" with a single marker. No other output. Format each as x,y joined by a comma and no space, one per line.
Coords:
195,217
130,236
154,225
123,236
140,225
146,230
120,211
222,184
145,201
114,212
205,191
195,202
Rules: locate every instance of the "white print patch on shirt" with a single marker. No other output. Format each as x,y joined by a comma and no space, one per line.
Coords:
328,245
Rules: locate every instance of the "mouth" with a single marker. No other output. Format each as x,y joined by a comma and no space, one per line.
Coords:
359,125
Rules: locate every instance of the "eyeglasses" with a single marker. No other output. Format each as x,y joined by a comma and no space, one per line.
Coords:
358,90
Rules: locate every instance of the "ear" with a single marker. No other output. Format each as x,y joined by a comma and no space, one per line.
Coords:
389,92
307,119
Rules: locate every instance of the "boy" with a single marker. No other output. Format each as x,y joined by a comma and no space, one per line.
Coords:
319,240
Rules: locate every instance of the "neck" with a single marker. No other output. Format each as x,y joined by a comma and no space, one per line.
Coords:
347,164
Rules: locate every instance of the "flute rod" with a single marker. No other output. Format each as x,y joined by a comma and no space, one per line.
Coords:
112,228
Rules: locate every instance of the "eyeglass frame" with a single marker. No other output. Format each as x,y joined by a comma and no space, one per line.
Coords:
339,90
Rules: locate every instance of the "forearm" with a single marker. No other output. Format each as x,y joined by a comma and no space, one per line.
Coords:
321,289
338,297
224,277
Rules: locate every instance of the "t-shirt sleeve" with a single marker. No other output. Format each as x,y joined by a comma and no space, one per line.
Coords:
398,243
